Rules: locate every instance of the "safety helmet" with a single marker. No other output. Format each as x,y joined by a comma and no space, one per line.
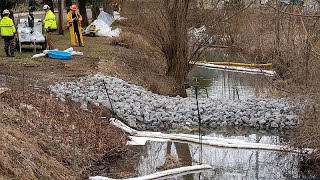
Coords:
73,7
6,12
45,7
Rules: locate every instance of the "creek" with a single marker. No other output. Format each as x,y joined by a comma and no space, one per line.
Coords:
228,163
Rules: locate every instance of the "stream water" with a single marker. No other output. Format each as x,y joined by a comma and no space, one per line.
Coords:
229,164
222,84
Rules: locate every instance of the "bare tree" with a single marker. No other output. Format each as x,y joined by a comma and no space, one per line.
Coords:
107,6
68,3
60,9
9,4
165,24
95,8
83,12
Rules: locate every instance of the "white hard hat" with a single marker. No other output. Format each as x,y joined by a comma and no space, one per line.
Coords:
45,7
6,11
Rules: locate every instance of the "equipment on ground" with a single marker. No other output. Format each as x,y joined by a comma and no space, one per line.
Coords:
92,30
30,30
62,55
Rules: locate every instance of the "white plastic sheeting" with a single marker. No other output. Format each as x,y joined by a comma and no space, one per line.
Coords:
27,34
116,15
162,174
106,18
103,23
200,35
103,29
140,141
206,140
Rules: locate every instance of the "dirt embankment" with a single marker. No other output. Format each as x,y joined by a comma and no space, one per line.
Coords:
38,137
37,141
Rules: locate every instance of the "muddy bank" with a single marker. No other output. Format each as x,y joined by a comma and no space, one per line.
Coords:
143,109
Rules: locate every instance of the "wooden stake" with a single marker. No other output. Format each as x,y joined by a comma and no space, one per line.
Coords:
74,163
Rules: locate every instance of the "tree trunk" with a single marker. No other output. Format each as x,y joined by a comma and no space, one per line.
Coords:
95,12
177,59
107,6
83,12
60,8
68,3
95,9
7,5
49,3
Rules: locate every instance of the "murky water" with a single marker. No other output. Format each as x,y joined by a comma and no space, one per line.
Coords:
231,164
222,84
228,163
226,84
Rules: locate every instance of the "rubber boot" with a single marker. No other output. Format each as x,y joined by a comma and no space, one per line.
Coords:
7,50
12,52
80,44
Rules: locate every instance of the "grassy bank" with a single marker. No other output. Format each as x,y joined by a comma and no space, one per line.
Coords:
38,128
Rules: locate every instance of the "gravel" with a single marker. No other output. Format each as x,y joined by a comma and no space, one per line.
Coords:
142,108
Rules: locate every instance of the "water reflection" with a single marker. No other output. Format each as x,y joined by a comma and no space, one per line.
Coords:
222,84
228,163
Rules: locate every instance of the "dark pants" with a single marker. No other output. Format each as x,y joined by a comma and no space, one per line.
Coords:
9,46
76,31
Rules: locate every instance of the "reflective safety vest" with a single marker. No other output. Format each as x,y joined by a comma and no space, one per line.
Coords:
50,20
7,27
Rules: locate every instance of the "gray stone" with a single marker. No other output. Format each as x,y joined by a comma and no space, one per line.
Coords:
274,125
135,103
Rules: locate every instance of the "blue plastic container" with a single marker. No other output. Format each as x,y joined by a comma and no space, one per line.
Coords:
55,54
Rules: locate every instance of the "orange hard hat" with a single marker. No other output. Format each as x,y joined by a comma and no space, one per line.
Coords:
73,7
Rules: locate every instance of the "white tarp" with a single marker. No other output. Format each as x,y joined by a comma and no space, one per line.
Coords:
106,18
27,34
103,29
103,23
140,141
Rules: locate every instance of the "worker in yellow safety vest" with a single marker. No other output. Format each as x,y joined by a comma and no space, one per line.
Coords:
74,24
50,25
8,32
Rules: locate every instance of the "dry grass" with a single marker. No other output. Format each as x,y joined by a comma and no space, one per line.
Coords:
22,155
307,135
50,121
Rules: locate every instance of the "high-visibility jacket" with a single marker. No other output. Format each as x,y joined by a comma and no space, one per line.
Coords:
73,37
50,20
7,27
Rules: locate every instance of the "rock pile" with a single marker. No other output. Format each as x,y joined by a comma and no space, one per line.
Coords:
143,109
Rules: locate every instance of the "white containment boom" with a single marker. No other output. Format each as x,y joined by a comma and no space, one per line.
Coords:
206,140
162,174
